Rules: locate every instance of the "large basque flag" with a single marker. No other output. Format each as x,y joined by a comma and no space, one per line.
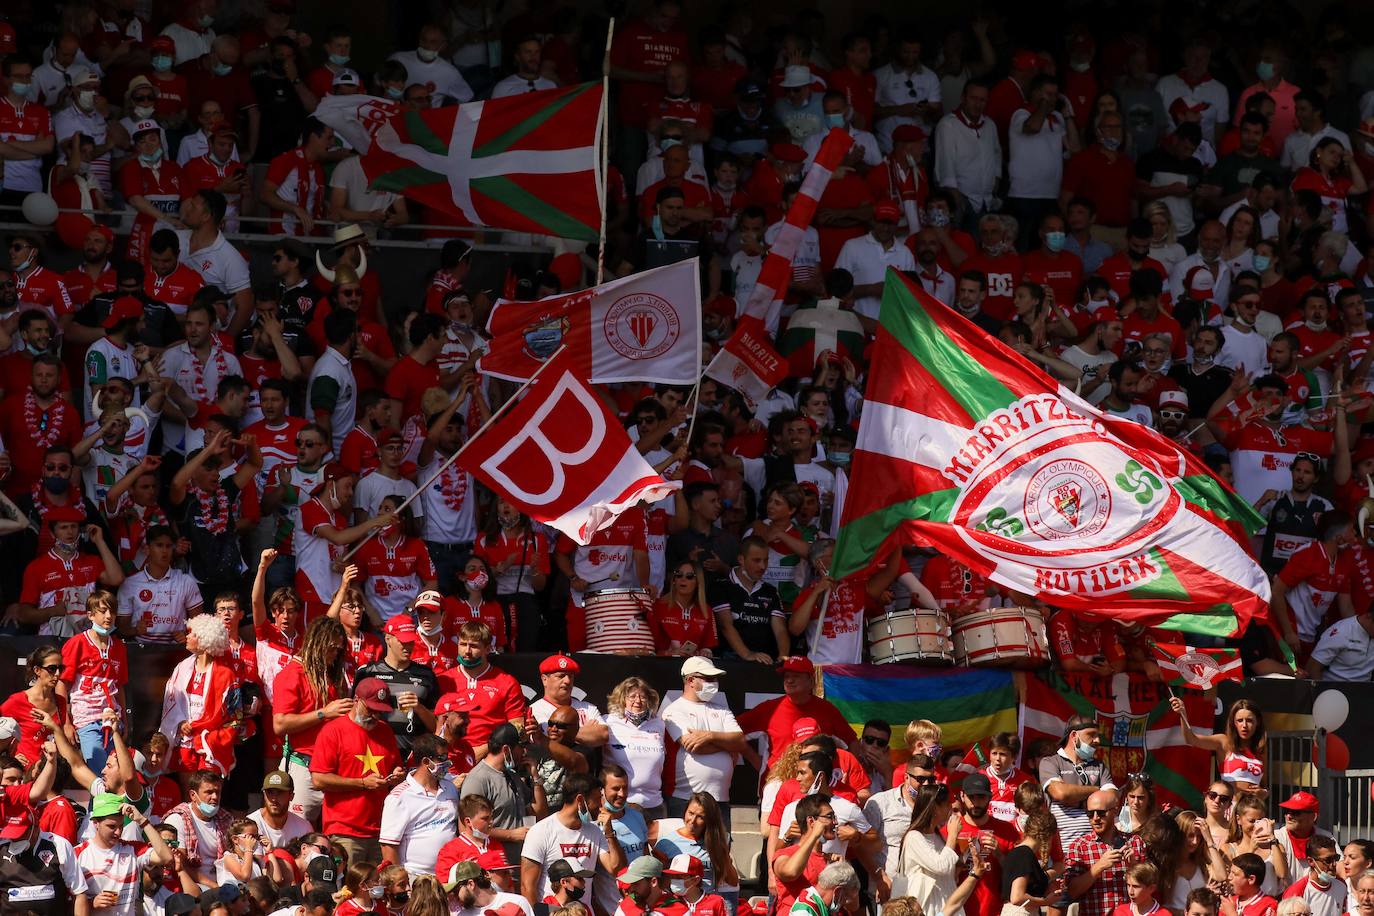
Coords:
1021,480
527,163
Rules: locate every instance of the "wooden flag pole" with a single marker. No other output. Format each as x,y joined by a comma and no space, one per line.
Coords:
454,457
605,137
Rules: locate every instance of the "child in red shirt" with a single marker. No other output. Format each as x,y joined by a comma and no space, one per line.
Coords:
1141,880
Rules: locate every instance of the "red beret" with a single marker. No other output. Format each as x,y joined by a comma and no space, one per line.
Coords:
558,663
908,133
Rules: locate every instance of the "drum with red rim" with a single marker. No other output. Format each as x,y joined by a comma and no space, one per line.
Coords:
1002,637
910,634
618,621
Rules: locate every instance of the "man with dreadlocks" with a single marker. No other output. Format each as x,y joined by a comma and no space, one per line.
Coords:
307,692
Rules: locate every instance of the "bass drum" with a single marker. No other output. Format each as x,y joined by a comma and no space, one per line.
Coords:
617,621
910,634
1002,637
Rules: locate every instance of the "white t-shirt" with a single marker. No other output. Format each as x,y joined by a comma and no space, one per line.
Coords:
847,814
1243,350
219,263
896,87
332,365
515,84
499,900
190,44
866,259
419,823
373,488
348,175
639,749
1346,651
165,603
296,826
444,81
587,713
704,772
1036,161
449,504
1136,413
117,869
548,841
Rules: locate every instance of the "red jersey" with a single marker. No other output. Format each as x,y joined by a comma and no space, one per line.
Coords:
82,288
777,716
688,111
1071,639
861,89
1003,273
789,891
898,181
25,121
58,817
1003,805
693,195
1117,270
164,791
1107,183
203,173
642,48
672,622
955,587
441,654
1135,327
44,289
54,581
95,676
490,698
345,748
363,650
1313,576
161,187
1062,272
292,693
359,451
392,574
31,734
299,181
176,290
173,94
407,382
458,611
987,896
845,191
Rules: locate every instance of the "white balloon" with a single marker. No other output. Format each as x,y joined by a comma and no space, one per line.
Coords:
1330,710
40,209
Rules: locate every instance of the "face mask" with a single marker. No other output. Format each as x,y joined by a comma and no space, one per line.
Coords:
834,120
432,629
56,485
614,809
1316,325
677,886
479,835
162,63
937,217
21,89
1111,144
86,98
575,893
392,92
152,158
439,770
21,268
1085,752
637,718
839,459
376,893
1262,262
996,249
206,21
83,170
1080,66
507,761
707,691
668,143
1054,241
64,548
207,809
425,54
476,580
101,631
339,60
1321,879
1264,70
401,899
584,815
143,112
219,68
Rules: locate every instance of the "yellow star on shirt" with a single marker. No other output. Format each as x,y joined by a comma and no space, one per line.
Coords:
369,760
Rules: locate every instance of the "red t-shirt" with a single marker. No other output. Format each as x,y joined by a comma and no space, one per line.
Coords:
292,693
1117,269
173,94
233,91
31,733
176,290
82,288
1072,640
1136,326
672,622
408,380
777,716
1003,273
58,817
1089,174
359,451
844,192
789,891
987,896
1062,272
715,87
693,195
345,748
641,48
490,698
859,88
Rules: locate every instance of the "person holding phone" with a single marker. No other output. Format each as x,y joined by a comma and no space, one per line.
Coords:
1095,864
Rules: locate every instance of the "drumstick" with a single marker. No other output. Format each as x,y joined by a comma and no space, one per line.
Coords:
454,457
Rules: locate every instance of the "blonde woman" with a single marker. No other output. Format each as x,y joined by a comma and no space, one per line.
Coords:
1252,831
637,743
1164,246
200,704
1201,864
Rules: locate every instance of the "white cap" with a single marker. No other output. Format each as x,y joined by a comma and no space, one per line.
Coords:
145,125
79,74
796,76
1173,398
701,665
9,728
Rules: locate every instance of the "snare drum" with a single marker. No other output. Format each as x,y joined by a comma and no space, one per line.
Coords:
910,634
618,621
1002,637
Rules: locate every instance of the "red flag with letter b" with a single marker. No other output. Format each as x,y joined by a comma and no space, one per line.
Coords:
561,457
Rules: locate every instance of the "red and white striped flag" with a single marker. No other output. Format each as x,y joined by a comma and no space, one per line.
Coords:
748,362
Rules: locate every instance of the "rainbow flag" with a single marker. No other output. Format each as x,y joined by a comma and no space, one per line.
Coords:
968,704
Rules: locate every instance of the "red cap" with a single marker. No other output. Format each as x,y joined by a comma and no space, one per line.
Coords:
388,434
429,600
64,514
787,152
683,865
401,627
224,129
559,663
124,308
374,694
333,471
1200,280
449,702
105,232
8,44
909,133
810,487
164,43
1025,60
1301,801
805,727
887,212
1363,449
1178,108
798,663
493,859
16,825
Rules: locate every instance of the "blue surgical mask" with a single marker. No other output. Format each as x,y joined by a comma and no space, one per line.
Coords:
162,63
612,808
1262,262
219,68
1264,70
1054,241
1085,752
834,120
152,158
206,21
585,815
101,631
339,60
23,90
393,92
207,809
1111,144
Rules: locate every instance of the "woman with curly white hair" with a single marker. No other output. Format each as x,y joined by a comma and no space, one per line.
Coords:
201,712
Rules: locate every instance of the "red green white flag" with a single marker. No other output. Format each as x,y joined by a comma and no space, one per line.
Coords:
526,163
1140,732
1188,666
1022,481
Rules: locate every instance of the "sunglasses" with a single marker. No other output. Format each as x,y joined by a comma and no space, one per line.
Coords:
52,669
684,575
1095,813
144,98
1218,797
874,741
1172,415
554,723
922,780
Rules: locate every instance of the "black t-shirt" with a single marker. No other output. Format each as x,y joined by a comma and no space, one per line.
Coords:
283,115
752,612
414,678
207,521
1020,862
1160,162
1203,388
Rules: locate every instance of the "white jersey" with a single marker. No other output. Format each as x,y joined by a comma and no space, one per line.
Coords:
333,367
419,823
118,869
449,505
163,604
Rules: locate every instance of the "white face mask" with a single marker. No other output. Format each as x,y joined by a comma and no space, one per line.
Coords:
86,99
426,55
144,112
678,886
707,691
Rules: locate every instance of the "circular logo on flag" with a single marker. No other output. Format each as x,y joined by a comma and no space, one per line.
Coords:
642,326
1067,498
1197,668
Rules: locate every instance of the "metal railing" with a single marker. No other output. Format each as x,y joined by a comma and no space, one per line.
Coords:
1347,806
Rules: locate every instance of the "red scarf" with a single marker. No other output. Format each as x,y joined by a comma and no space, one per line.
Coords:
43,423
199,392
974,126
214,509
